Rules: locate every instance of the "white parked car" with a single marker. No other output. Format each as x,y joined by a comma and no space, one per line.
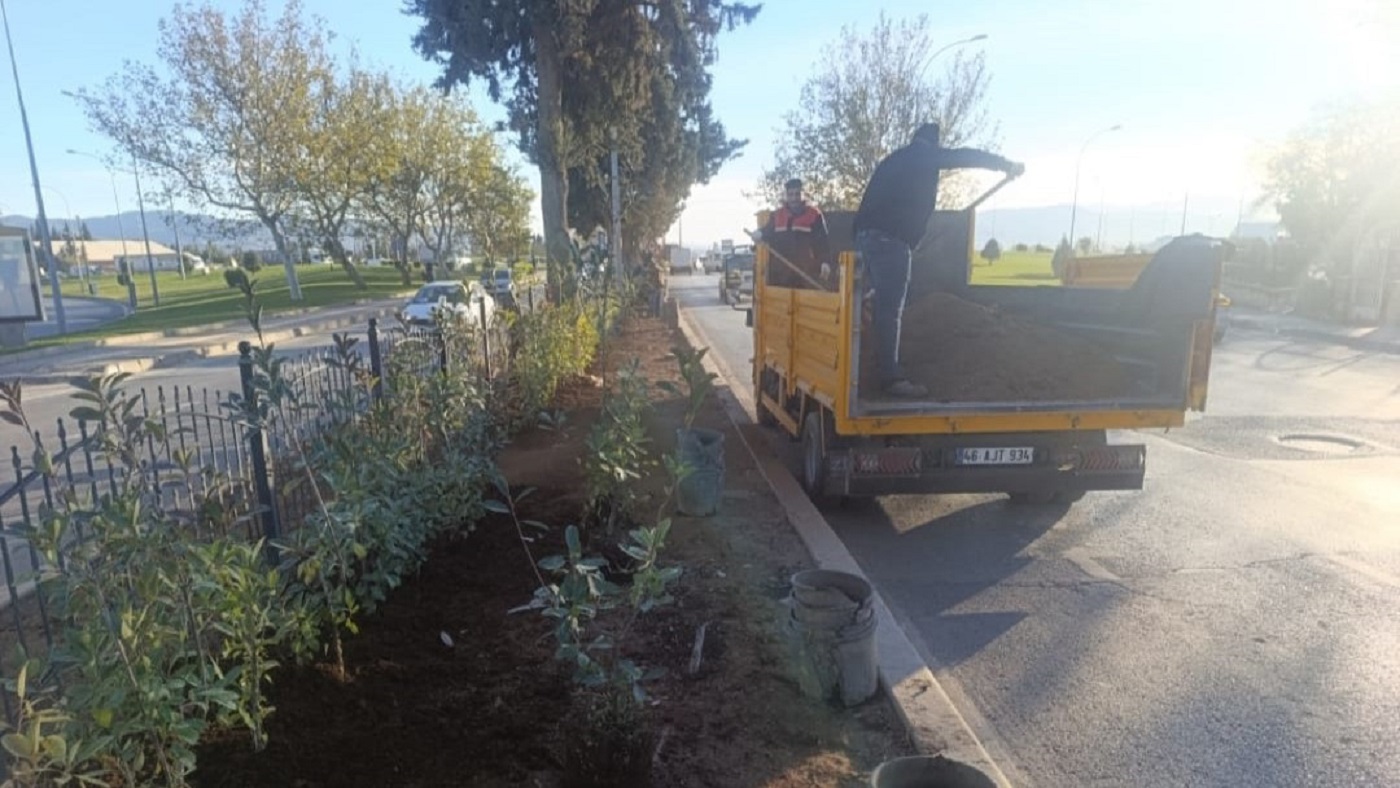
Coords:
463,299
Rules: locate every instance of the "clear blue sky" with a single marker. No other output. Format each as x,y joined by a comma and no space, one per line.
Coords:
1200,87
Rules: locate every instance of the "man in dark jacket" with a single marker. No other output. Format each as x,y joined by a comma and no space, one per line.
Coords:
893,216
797,231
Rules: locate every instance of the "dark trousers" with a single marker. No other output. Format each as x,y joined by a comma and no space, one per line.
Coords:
886,261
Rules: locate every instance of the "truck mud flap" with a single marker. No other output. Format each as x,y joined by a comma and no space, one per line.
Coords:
896,470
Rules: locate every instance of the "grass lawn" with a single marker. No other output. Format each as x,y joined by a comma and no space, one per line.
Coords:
201,300
1021,269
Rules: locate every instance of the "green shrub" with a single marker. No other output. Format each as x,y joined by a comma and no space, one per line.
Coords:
549,346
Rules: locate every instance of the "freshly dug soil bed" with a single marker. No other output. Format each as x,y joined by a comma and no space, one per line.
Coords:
492,709
967,352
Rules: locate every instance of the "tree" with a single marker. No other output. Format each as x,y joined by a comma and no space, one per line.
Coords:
1022,248
661,155
1335,179
537,46
992,251
462,184
868,95
1060,260
1085,244
229,122
68,254
415,144
250,262
83,232
499,223
343,154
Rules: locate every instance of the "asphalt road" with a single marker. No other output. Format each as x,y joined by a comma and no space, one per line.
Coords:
1233,624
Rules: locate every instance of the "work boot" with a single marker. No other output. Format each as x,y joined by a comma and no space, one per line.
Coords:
906,389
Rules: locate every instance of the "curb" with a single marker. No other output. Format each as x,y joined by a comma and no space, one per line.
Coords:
933,723
125,340
175,358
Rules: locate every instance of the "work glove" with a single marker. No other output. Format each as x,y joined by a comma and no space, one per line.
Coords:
1016,169
755,235
826,270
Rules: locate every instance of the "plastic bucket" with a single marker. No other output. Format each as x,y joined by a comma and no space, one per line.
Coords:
700,491
929,771
834,621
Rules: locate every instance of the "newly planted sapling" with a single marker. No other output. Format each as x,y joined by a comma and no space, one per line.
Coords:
699,382
618,453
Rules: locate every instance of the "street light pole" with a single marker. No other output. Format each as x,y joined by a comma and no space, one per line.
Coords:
45,240
929,61
923,70
175,226
145,234
1079,163
121,230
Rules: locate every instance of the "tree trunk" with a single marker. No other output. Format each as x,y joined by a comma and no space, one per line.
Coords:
288,264
337,250
554,184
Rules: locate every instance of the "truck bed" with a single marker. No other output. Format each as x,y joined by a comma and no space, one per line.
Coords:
1158,331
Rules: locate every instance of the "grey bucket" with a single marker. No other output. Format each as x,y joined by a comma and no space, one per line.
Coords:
929,771
702,451
834,620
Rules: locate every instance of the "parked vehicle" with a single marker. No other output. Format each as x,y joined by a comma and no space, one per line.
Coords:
498,282
680,259
461,299
1027,380
736,278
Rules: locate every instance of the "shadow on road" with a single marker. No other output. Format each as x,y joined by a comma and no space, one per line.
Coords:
932,553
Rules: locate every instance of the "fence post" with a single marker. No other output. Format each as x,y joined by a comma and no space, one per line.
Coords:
257,449
376,360
485,338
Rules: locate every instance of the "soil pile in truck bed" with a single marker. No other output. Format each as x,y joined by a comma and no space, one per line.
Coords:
966,352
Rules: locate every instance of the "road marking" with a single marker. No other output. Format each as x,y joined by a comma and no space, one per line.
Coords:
1080,557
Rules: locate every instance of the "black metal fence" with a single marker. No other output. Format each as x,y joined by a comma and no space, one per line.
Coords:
211,456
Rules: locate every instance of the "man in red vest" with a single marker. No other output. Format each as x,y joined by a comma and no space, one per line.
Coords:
797,231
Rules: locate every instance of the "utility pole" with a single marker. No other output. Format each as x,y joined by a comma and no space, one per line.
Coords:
45,240
175,225
1098,237
616,234
1185,201
141,204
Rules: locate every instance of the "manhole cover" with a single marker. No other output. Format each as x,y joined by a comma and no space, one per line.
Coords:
1322,444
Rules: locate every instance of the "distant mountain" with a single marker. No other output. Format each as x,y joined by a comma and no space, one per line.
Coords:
1119,226
195,230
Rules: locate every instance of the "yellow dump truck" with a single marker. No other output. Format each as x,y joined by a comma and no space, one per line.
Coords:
1036,425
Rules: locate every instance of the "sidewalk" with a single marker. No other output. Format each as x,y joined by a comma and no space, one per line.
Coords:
135,353
1383,339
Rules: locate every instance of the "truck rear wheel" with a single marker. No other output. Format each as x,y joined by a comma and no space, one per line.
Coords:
814,450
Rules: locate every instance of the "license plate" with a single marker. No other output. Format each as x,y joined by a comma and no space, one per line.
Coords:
1018,455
